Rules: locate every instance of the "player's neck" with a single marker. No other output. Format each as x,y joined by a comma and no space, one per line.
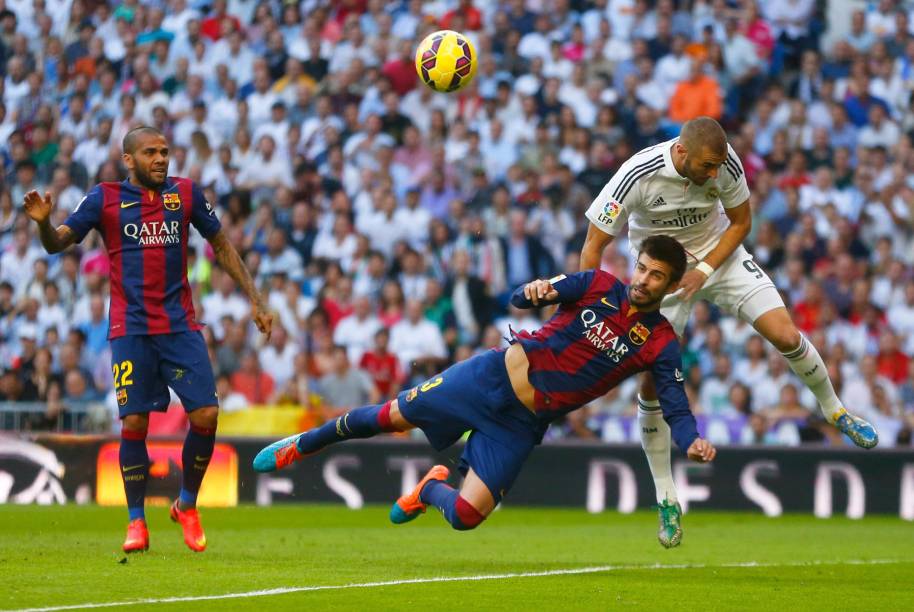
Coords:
133,180
678,161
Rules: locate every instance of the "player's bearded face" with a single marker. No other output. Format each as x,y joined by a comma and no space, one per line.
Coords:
650,282
150,163
698,168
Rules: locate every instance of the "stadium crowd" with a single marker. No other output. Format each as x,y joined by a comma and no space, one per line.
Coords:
388,223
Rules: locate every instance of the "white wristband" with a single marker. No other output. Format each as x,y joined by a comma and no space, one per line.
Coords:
705,267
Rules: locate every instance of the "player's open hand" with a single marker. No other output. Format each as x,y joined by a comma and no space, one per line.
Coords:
36,207
540,290
692,281
263,319
702,451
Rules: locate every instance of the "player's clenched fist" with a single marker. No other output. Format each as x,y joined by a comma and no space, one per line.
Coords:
263,319
540,290
702,451
36,207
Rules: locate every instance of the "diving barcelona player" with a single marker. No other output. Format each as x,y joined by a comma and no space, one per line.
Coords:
155,338
602,333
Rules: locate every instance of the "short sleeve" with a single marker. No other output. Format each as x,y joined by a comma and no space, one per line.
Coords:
203,214
622,194
734,188
88,213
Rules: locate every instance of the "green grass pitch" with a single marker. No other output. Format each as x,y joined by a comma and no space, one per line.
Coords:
69,555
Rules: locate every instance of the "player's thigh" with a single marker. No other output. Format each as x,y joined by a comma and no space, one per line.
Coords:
742,288
138,386
185,367
677,312
445,406
493,463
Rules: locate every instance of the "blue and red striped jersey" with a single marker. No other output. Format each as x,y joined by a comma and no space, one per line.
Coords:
594,341
145,233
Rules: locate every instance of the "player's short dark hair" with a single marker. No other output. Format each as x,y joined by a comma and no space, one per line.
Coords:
668,250
132,138
703,132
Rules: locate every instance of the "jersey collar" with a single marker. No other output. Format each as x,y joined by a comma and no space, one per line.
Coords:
668,166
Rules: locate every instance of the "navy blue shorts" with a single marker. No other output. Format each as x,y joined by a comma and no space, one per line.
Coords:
475,395
144,367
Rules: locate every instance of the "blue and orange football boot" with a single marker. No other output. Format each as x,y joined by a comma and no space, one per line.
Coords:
279,455
409,506
137,536
190,524
859,431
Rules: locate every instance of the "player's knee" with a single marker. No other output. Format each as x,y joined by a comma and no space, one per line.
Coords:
135,423
647,390
786,340
468,517
206,417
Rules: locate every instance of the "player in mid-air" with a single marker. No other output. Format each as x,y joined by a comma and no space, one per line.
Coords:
155,337
693,188
602,333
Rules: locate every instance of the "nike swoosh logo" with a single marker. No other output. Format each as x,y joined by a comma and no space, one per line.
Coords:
130,468
606,302
128,204
199,458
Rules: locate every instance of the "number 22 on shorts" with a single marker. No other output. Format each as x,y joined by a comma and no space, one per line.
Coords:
122,373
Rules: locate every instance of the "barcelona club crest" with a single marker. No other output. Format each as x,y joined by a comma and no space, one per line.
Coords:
412,394
172,201
638,334
122,397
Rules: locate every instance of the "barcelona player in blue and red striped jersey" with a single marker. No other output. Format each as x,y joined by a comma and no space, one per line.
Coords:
603,332
155,337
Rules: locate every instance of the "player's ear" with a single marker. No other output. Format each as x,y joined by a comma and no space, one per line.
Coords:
673,287
127,158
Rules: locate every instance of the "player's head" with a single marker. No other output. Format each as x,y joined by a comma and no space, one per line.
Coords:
660,266
701,150
146,156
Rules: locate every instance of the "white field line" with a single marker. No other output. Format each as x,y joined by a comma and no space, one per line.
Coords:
433,579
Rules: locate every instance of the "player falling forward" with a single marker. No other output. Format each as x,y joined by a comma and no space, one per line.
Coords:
602,333
155,337
694,189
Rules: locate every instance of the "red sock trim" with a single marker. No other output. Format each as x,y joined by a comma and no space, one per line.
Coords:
468,515
203,431
129,434
384,417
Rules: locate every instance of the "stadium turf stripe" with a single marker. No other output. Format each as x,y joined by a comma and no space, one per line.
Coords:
433,579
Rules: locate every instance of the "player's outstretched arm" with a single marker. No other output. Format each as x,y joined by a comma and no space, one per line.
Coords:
231,262
39,210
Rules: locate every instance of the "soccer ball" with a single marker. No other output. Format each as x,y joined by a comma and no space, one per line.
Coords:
445,60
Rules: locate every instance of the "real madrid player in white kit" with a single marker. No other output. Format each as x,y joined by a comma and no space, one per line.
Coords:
693,188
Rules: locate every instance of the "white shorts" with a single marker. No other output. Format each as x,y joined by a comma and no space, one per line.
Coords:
739,286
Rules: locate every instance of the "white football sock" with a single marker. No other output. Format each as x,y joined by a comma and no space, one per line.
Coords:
655,440
806,363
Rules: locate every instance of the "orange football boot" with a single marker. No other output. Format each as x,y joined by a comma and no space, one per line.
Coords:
137,536
190,524
409,506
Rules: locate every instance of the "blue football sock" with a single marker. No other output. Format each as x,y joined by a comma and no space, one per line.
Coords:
134,460
456,510
196,455
362,422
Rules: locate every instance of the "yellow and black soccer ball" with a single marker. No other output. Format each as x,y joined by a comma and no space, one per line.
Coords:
446,61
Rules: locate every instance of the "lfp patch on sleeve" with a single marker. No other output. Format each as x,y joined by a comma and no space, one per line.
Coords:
609,213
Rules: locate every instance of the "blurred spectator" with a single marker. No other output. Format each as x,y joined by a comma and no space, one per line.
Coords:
251,381
344,387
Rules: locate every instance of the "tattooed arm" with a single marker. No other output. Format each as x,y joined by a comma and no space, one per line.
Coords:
230,261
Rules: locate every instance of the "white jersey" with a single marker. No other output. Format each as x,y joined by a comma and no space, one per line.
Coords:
655,199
